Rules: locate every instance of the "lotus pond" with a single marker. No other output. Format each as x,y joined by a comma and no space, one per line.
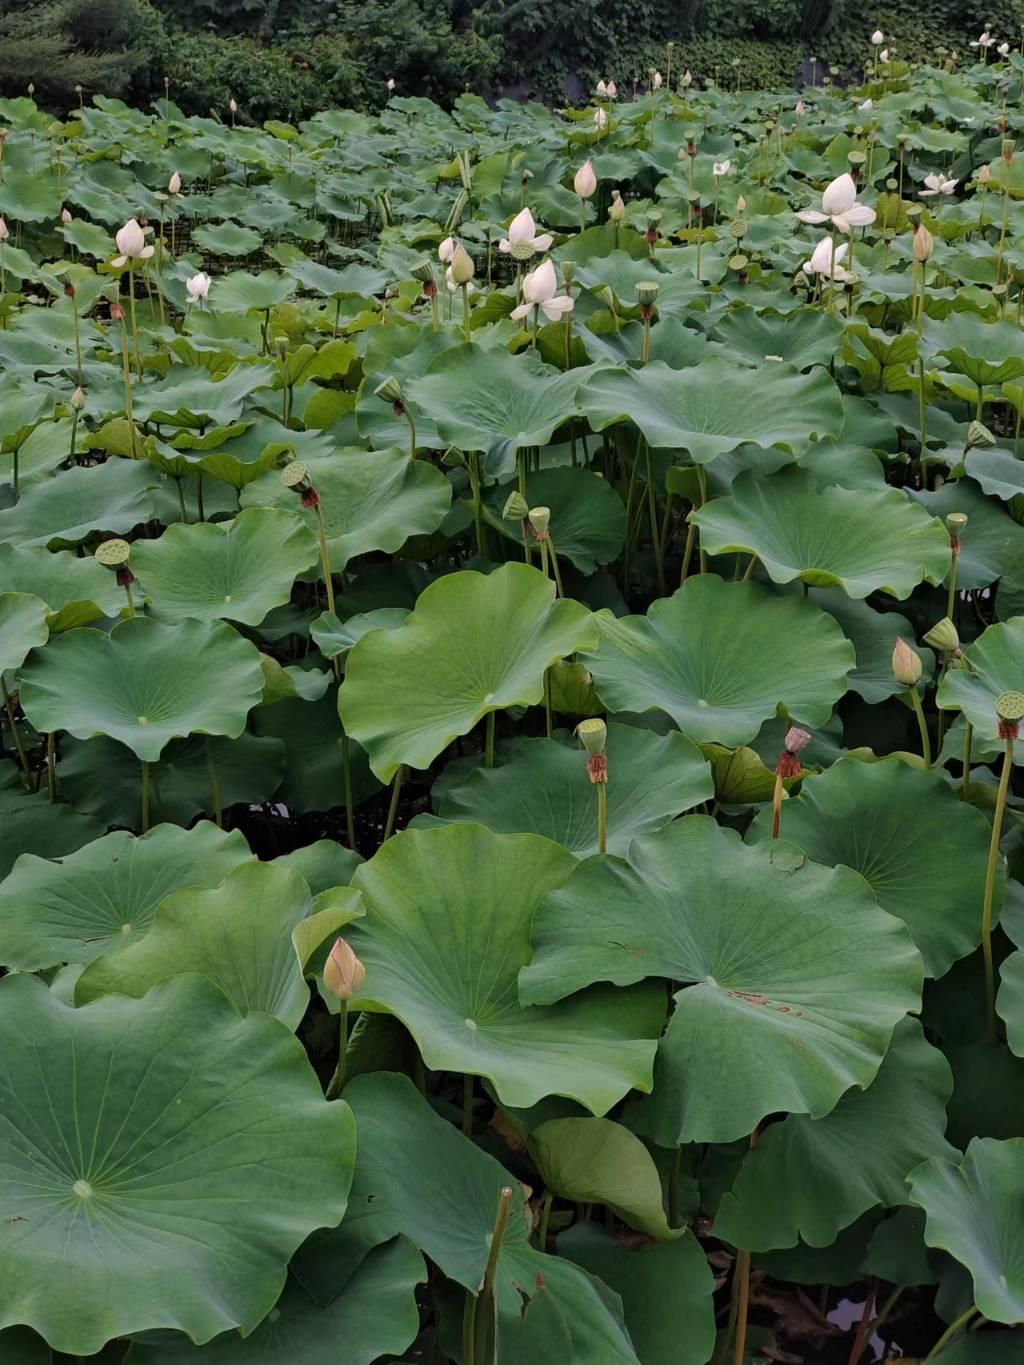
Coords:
512,642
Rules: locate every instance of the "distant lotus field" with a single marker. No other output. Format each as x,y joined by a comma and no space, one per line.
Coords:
512,660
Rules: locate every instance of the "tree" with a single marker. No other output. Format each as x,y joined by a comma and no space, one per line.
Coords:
60,44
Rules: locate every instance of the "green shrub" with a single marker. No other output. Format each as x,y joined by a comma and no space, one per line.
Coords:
60,44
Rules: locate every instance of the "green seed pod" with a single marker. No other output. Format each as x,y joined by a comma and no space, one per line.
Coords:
390,391
516,508
113,553
593,735
943,637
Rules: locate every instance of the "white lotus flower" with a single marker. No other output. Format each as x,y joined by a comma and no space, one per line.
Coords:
65,215
877,38
585,181
131,243
822,262
686,79
840,207
391,84
721,167
867,105
453,287
5,231
232,105
446,250
656,81
600,119
540,290
883,56
984,40
800,109
938,184
612,90
174,184
1003,49
601,90
198,286
523,229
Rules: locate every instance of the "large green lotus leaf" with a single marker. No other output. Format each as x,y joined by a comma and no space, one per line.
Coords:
22,627
237,935
447,929
62,511
355,278
795,979
542,787
75,589
334,638
986,352
906,832
31,824
722,658
488,400
975,1211
104,895
227,239
667,1290
992,542
374,1315
807,1179
715,406
370,500
873,635
593,1160
994,664
802,338
474,644
863,542
190,396
324,864
144,684
416,1175
588,518
241,292
237,570
129,1161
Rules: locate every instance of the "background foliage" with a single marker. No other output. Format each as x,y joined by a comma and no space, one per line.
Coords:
288,58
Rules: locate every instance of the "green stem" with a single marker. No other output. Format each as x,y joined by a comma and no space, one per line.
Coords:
346,774
412,434
556,571
990,886
51,766
135,326
211,769
951,595
325,558
652,504
545,1219
469,1329
966,776
922,725
182,510
131,603
145,796
702,484
950,1332
673,1187
396,791
465,313
467,1105
338,1079
484,1346
602,818
18,744
489,740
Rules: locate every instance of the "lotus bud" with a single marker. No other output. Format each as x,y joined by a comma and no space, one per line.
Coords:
612,90
943,636
985,174
344,974
65,216
462,267
516,508
391,85
906,664
5,231
232,105
540,520
877,38
568,273
1009,714
924,244
78,399
391,392
174,184
686,79
617,208
281,347
606,294
647,293
978,434
585,181
31,87
741,204
593,735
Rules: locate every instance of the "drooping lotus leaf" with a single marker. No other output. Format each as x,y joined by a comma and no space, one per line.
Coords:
104,895
447,929
994,664
795,978
542,787
722,658
418,1176
22,627
802,338
335,638
131,1163
241,292
370,500
374,1315
807,1178
64,510
324,864
904,829
667,1290
76,590
227,239
236,571
861,541
974,1211
144,684
986,352
494,402
237,935
873,635
715,406
474,644
593,1160
588,518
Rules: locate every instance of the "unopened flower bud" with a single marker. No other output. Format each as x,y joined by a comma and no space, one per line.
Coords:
233,106
924,244
540,520
617,208
65,216
78,398
462,267
1007,150
943,637
741,204
390,391
906,664
174,184
985,174
281,347
516,508
344,974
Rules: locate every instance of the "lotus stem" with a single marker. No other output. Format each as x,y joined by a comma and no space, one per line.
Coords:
966,775
325,557
200,508
951,1331
702,484
545,1219
145,796
396,792
602,818
135,326
922,725
346,775
741,1286
131,603
555,570
691,532
337,1081
777,795
922,409
484,1346
18,744
951,595
473,469
465,313
489,740
673,1187
467,1104
211,769
156,268
990,886
412,432
549,720
652,504
51,766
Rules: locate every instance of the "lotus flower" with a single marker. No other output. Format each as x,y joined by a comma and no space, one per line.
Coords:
446,251
232,105
540,290
867,105
1003,49
877,38
983,41
906,664
174,184
938,184
611,90
585,181
523,240
656,81
65,216
601,90
686,79
343,972
800,109
198,286
462,268
454,288
822,263
721,167
5,231
391,85
840,207
131,243
600,120
883,56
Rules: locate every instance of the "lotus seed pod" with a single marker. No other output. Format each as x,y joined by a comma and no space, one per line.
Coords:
906,664
647,293
294,474
1009,714
978,434
344,974
516,508
943,636
956,523
796,739
540,520
593,735
422,270
112,554
390,391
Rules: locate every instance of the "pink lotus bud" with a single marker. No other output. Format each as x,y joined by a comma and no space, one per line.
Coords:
585,181
344,973
906,664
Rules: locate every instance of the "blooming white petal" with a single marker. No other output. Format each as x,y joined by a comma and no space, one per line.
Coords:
131,243
938,184
540,284
391,84
556,308
857,216
823,263
799,108
198,286
5,231
884,54
522,227
585,181
446,250
867,105
656,81
812,216
839,195
721,167
1003,49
